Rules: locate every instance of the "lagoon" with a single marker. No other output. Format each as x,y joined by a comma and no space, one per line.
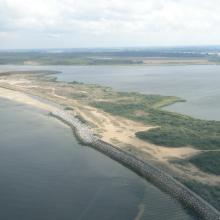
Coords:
197,84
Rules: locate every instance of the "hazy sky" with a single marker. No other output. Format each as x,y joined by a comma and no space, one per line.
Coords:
108,23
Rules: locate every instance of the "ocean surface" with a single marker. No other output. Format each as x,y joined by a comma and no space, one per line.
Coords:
199,85
46,175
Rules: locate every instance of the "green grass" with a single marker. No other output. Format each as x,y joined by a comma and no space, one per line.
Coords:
172,129
177,136
208,162
207,192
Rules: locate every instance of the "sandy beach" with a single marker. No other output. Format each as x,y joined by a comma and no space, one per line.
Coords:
25,99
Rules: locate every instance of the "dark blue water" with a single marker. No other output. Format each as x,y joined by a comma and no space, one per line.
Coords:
198,84
46,175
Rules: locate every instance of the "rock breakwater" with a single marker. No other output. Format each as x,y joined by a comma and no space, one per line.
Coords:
158,177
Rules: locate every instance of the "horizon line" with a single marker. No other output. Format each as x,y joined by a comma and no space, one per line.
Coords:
111,47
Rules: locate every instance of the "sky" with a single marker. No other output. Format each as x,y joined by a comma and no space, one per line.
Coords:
26,24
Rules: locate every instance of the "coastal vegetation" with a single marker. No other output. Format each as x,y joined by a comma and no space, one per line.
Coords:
208,162
171,129
207,192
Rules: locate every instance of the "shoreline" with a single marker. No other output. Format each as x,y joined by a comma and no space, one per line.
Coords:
142,168
159,178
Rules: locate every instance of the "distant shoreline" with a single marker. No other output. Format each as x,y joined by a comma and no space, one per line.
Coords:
114,56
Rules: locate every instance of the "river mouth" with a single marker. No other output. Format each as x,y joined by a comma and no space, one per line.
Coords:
46,174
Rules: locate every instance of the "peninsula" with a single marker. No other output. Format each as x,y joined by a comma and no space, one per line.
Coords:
186,148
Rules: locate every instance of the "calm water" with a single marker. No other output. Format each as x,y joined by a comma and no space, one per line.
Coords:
199,85
47,175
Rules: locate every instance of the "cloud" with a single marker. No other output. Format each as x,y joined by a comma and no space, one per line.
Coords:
135,18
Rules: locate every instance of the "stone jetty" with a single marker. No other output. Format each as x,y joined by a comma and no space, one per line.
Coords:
158,177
